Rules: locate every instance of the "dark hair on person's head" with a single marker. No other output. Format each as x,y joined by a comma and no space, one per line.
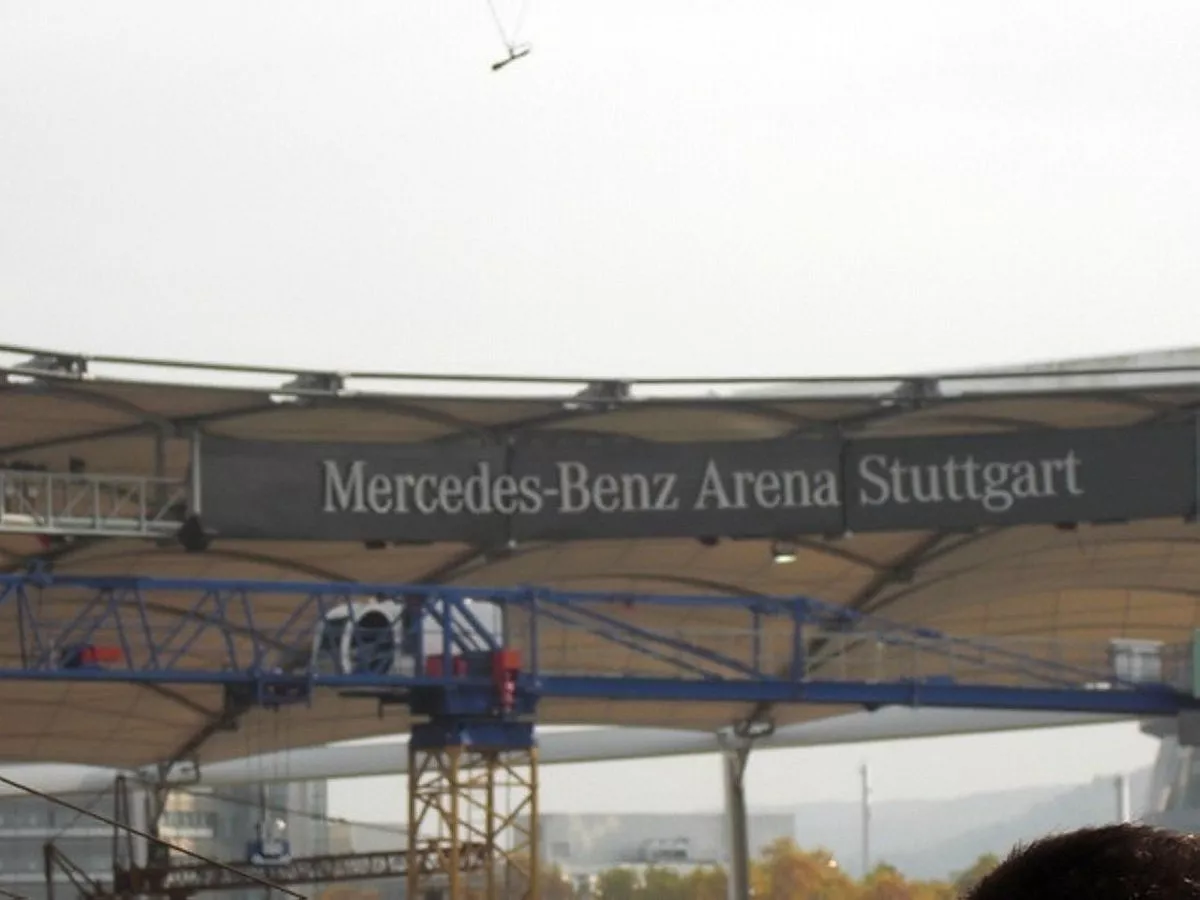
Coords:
1117,862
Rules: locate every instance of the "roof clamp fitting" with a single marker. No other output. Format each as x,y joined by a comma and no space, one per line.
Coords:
54,364
307,386
917,392
317,382
753,729
599,396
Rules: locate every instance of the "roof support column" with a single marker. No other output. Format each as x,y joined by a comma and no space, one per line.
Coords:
735,755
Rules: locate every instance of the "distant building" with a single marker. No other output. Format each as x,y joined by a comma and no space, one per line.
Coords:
214,824
1174,795
367,837
584,844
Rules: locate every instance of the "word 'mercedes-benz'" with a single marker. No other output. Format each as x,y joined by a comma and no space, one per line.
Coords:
575,489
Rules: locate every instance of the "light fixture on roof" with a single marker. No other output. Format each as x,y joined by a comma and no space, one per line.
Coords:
783,552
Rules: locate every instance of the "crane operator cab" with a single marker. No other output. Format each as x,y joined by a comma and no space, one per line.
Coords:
269,846
385,636
373,636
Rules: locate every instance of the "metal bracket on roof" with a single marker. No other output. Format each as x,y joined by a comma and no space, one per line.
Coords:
322,382
918,391
307,386
754,728
55,364
180,773
32,372
600,396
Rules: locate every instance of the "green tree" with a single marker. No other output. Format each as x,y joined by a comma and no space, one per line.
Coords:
785,872
706,883
661,884
554,885
885,882
934,890
971,876
617,884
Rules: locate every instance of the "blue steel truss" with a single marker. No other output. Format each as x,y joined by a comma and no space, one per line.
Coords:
273,643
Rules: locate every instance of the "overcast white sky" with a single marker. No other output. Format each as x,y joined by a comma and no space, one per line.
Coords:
702,187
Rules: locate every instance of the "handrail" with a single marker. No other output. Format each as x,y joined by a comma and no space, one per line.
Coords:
60,503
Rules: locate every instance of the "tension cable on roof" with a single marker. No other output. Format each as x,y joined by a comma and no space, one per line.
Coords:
516,49
145,835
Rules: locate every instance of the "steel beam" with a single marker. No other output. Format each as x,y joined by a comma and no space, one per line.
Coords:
177,880
150,631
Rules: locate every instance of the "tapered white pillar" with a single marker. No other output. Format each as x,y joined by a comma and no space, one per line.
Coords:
735,753
864,772
1124,811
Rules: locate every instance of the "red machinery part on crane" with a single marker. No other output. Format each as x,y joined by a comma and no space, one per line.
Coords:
89,656
506,664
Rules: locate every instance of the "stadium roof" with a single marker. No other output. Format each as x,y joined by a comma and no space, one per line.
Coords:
119,416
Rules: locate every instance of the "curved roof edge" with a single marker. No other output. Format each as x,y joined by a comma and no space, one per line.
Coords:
1164,368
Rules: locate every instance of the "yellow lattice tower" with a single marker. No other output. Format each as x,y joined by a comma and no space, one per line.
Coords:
472,813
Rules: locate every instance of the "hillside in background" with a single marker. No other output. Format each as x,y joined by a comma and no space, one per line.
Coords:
932,838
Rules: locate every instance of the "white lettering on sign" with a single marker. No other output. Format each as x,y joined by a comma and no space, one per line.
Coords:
349,489
579,491
996,486
575,488
766,489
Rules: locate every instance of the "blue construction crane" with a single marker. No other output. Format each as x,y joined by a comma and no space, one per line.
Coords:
473,664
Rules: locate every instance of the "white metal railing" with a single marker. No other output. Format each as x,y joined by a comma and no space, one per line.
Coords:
101,505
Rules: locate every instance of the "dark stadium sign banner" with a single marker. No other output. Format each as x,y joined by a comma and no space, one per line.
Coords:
612,488
355,492
1046,476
